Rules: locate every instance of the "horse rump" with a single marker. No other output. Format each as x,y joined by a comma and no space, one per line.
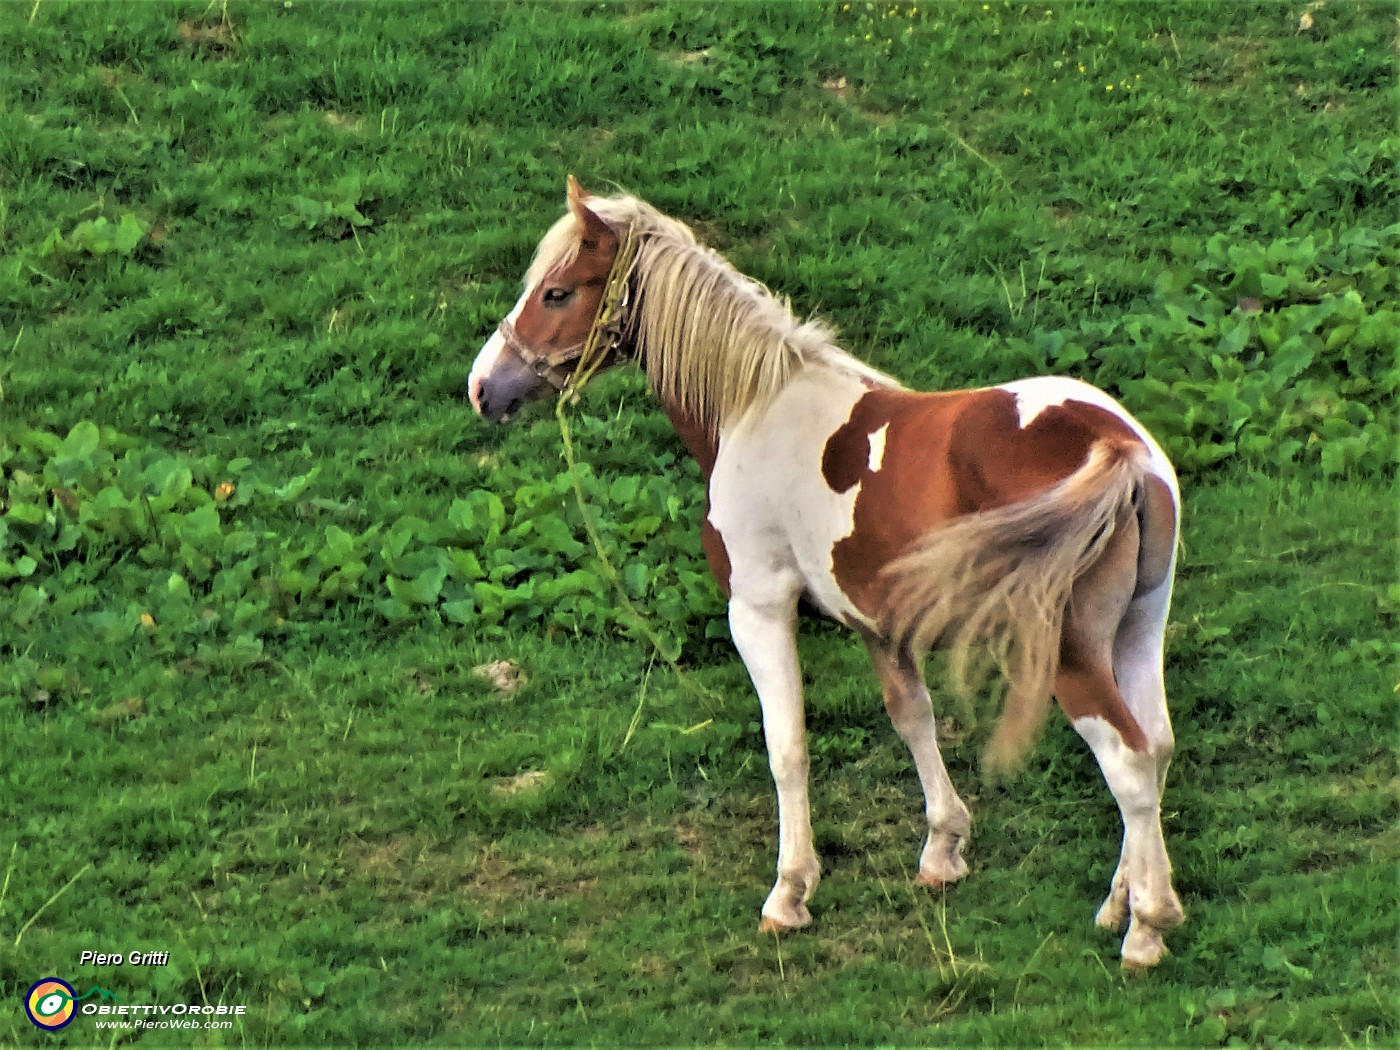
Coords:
991,587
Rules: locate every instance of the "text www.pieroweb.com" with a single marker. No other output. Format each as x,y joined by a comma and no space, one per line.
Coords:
176,1016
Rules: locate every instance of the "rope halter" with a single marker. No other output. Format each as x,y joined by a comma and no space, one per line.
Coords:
604,336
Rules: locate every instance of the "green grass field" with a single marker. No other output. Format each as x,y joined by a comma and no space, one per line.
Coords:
253,541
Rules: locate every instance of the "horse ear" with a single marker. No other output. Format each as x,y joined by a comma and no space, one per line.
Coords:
576,195
594,228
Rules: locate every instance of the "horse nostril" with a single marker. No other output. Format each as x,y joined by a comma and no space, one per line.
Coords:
483,400
491,408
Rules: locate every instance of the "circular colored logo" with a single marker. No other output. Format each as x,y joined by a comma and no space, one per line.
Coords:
49,1003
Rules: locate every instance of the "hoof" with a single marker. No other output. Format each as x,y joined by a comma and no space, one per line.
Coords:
939,880
1141,966
768,924
1112,915
1142,948
940,868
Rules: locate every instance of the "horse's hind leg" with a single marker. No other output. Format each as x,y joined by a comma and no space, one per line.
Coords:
911,712
1137,663
1123,719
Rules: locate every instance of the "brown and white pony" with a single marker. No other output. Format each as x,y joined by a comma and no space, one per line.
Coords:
1036,521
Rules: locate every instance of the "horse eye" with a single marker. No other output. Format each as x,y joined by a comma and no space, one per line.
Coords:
556,295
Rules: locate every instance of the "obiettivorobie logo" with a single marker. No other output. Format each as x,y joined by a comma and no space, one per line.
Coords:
50,1002
53,1003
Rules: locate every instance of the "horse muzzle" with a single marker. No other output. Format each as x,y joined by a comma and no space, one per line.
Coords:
500,395
502,379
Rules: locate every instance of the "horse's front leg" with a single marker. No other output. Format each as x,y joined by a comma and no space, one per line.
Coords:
765,633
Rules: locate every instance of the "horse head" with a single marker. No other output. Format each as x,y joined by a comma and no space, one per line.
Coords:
539,343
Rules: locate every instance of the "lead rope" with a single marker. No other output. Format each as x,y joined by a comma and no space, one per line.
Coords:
614,299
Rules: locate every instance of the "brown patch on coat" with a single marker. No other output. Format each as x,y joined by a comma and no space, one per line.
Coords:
847,453
704,446
995,461
1086,688
715,551
696,437
901,501
945,455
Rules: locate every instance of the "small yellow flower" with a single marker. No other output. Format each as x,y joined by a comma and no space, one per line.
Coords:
223,491
1025,92
1108,87
148,621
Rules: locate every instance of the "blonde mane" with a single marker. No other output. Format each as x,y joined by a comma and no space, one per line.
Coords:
711,341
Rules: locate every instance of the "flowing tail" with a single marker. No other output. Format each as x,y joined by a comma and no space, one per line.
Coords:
991,587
